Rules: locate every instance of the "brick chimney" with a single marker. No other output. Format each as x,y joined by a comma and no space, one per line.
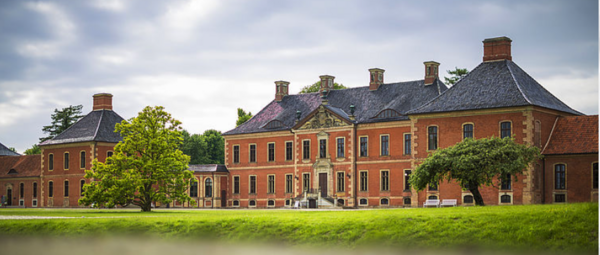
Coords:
431,71
102,101
376,78
496,49
281,90
326,84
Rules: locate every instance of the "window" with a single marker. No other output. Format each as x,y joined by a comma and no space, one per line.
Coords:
21,190
306,149
306,181
467,131
66,161
288,202
432,197
236,154
236,202
407,144
433,138
407,201
406,178
288,150
323,148
271,184
271,147
81,183
236,185
208,187
385,145
559,176
51,189
364,184
364,143
50,162
505,129
387,113
253,184
385,180
193,188
109,154
340,201
384,201
595,175
340,148
289,185
252,152
252,203
341,181
66,188
363,201
433,186
560,198
35,190
82,159
468,199
271,202
505,198
506,182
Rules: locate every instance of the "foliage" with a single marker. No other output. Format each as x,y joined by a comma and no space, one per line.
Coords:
13,149
34,150
456,75
315,87
473,163
206,148
61,120
147,165
563,228
242,117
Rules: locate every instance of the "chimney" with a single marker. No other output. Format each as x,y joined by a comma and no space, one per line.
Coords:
496,49
376,78
326,85
431,71
281,90
102,101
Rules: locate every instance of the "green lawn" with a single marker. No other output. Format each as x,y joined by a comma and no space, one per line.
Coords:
560,228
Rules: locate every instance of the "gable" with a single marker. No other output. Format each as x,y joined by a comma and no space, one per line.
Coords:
322,118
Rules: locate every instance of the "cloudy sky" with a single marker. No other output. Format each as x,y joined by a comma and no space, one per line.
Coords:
204,59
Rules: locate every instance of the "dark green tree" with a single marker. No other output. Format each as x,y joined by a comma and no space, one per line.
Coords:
195,147
317,85
34,150
242,117
456,75
61,120
147,165
13,149
215,146
473,163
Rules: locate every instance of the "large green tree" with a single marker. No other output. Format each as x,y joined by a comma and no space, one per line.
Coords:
473,163
215,146
242,116
147,165
315,87
34,150
206,148
455,75
61,120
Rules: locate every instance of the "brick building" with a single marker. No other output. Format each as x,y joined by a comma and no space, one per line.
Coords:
354,147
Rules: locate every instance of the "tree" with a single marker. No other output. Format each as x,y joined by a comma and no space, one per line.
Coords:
473,163
34,150
147,165
195,147
215,146
61,120
242,117
456,75
12,149
317,86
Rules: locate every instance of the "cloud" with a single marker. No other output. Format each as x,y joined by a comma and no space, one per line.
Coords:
61,26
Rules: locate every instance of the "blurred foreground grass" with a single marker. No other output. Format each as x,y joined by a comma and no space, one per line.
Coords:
571,228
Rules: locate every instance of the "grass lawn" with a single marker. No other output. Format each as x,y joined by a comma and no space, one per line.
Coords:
569,228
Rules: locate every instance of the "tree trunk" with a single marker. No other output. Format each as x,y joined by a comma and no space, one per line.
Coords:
146,207
477,196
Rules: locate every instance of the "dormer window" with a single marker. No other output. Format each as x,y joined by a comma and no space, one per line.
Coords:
387,113
12,171
273,124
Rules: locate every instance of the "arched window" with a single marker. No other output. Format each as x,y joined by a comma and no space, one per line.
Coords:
252,203
363,201
21,190
50,189
559,176
505,129
236,202
271,202
82,159
35,190
50,162
433,138
81,183
467,131
468,199
407,201
387,113
193,188
506,182
273,124
384,201
208,187
66,189
505,198
432,197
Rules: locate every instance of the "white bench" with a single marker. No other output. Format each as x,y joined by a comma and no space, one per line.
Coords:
448,202
432,202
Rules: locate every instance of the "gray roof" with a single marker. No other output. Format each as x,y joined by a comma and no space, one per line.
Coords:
4,151
208,168
401,97
98,126
494,85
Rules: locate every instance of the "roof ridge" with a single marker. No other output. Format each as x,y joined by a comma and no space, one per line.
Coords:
516,82
99,124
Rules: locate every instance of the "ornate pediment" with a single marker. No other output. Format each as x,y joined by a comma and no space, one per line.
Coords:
323,119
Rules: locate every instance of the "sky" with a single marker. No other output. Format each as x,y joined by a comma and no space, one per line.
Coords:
202,60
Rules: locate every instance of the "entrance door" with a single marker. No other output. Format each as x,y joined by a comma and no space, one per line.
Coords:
9,197
323,184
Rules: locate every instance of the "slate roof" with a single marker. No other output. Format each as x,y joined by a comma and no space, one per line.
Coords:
24,166
574,135
494,85
208,168
4,151
401,97
98,126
